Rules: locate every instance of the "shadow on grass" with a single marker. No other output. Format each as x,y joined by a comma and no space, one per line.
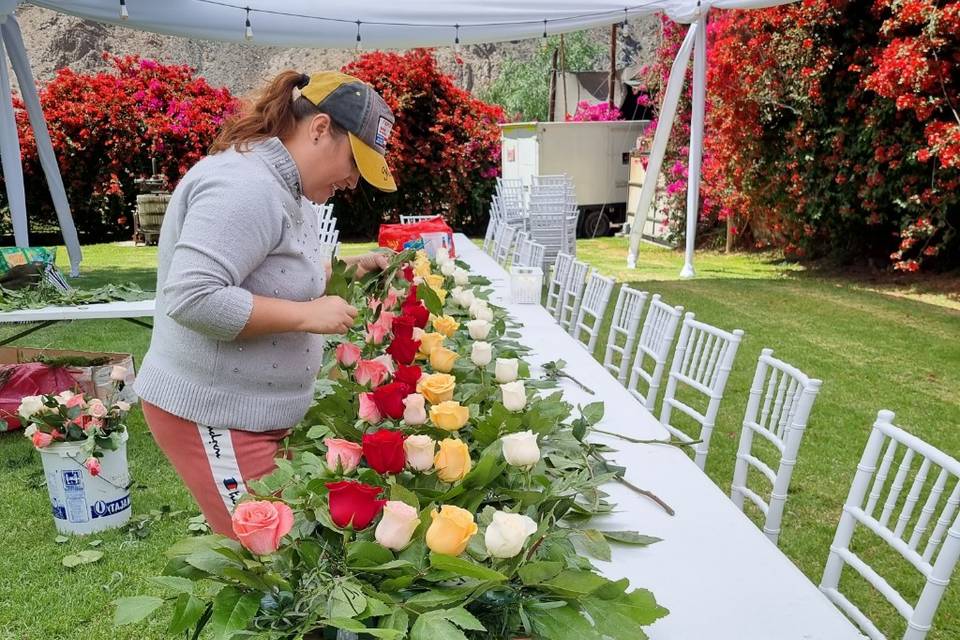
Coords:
144,277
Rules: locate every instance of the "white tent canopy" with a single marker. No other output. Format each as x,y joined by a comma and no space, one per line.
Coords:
331,24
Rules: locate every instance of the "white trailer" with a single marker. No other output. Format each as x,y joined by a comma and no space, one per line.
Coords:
596,155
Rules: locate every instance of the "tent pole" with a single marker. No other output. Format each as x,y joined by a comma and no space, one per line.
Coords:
48,160
613,64
552,112
10,154
696,144
668,111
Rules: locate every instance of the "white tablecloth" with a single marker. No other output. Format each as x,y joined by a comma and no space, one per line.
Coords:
718,574
101,311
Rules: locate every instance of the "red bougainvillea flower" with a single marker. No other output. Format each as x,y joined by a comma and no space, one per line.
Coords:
383,451
354,503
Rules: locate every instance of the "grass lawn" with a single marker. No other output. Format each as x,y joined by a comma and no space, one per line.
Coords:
872,350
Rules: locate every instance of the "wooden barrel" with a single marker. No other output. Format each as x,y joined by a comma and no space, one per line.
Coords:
150,210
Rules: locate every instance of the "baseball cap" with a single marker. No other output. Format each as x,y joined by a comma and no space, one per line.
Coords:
355,106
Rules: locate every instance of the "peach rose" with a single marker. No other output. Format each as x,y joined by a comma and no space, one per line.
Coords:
260,524
443,359
437,387
344,453
450,530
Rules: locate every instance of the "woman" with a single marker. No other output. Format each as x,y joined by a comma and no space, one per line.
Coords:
241,310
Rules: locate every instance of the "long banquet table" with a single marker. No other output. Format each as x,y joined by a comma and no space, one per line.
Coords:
719,576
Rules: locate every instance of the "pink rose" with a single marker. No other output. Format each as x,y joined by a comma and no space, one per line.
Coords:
393,296
368,409
97,409
376,332
344,453
93,466
386,361
76,401
41,439
347,354
370,372
118,373
260,524
94,423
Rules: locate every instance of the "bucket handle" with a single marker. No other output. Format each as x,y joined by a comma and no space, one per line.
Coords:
120,484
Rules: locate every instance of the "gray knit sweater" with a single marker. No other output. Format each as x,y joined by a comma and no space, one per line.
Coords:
234,227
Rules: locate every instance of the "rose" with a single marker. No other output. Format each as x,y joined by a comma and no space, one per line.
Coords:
397,525
481,353
97,409
413,411
370,372
420,450
434,281
408,375
437,387
354,503
407,273
403,349
376,332
32,429
450,530
30,406
520,449
461,276
507,533
386,361
393,295
443,359
413,308
507,370
483,313
403,327
386,319
514,395
449,415
368,409
479,329
93,466
445,325
456,294
343,454
63,396
383,450
468,297
389,399
122,406
421,267
260,524
118,373
448,268
76,401
476,306
95,423
452,460
41,439
347,354
429,342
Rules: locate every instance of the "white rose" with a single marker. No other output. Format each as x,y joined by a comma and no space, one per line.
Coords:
461,276
420,452
481,354
448,268
520,449
123,406
30,406
476,305
397,525
414,412
507,370
507,534
484,313
514,395
468,297
456,295
118,373
64,396
30,430
479,329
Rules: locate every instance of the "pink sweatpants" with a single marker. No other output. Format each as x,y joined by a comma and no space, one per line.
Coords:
215,464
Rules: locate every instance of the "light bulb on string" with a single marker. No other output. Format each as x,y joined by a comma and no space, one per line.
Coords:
624,25
456,40
359,41
248,30
545,42
123,10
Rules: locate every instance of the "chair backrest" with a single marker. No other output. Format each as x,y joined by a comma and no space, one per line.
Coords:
622,337
536,254
548,230
416,218
656,338
781,398
520,250
702,361
503,242
323,211
929,539
572,221
490,237
596,298
573,294
561,179
558,282
328,232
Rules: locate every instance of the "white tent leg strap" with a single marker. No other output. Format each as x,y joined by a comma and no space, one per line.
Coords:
10,153
668,112
10,30
696,143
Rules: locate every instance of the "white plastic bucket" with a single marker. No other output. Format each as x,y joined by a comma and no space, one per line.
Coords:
82,503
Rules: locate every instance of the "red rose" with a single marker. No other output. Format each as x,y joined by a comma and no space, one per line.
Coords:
407,273
389,399
403,327
403,350
354,503
417,312
408,375
383,450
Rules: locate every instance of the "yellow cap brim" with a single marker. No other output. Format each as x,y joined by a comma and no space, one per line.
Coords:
373,166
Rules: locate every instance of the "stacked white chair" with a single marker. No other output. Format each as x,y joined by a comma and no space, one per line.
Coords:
656,338
510,201
327,230
702,361
573,294
571,221
535,254
558,283
593,307
622,337
503,242
415,219
781,398
928,540
549,230
519,242
489,239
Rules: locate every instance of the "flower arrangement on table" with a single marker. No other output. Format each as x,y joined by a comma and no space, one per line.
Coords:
433,492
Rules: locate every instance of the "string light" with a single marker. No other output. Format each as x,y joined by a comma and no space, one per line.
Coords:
248,30
123,10
359,41
623,25
544,42
456,41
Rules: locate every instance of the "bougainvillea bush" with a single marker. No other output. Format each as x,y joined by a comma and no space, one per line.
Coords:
106,127
444,150
832,129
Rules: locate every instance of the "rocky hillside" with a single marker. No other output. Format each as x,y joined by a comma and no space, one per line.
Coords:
55,40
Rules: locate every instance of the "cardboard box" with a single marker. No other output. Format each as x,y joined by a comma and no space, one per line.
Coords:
94,381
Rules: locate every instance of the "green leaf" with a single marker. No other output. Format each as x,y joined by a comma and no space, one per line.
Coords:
434,626
402,494
540,571
464,568
61,539
95,543
211,561
135,609
593,543
464,619
232,611
84,557
355,626
364,553
186,612
438,597
630,537
560,622
346,600
573,584
592,413
430,300
246,578
398,619
622,618
174,583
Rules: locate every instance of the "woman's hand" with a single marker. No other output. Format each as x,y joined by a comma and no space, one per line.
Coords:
329,315
373,261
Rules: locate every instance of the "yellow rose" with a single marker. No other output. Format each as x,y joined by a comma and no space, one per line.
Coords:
445,325
437,387
442,295
434,280
449,415
429,342
442,359
452,461
450,530
421,265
